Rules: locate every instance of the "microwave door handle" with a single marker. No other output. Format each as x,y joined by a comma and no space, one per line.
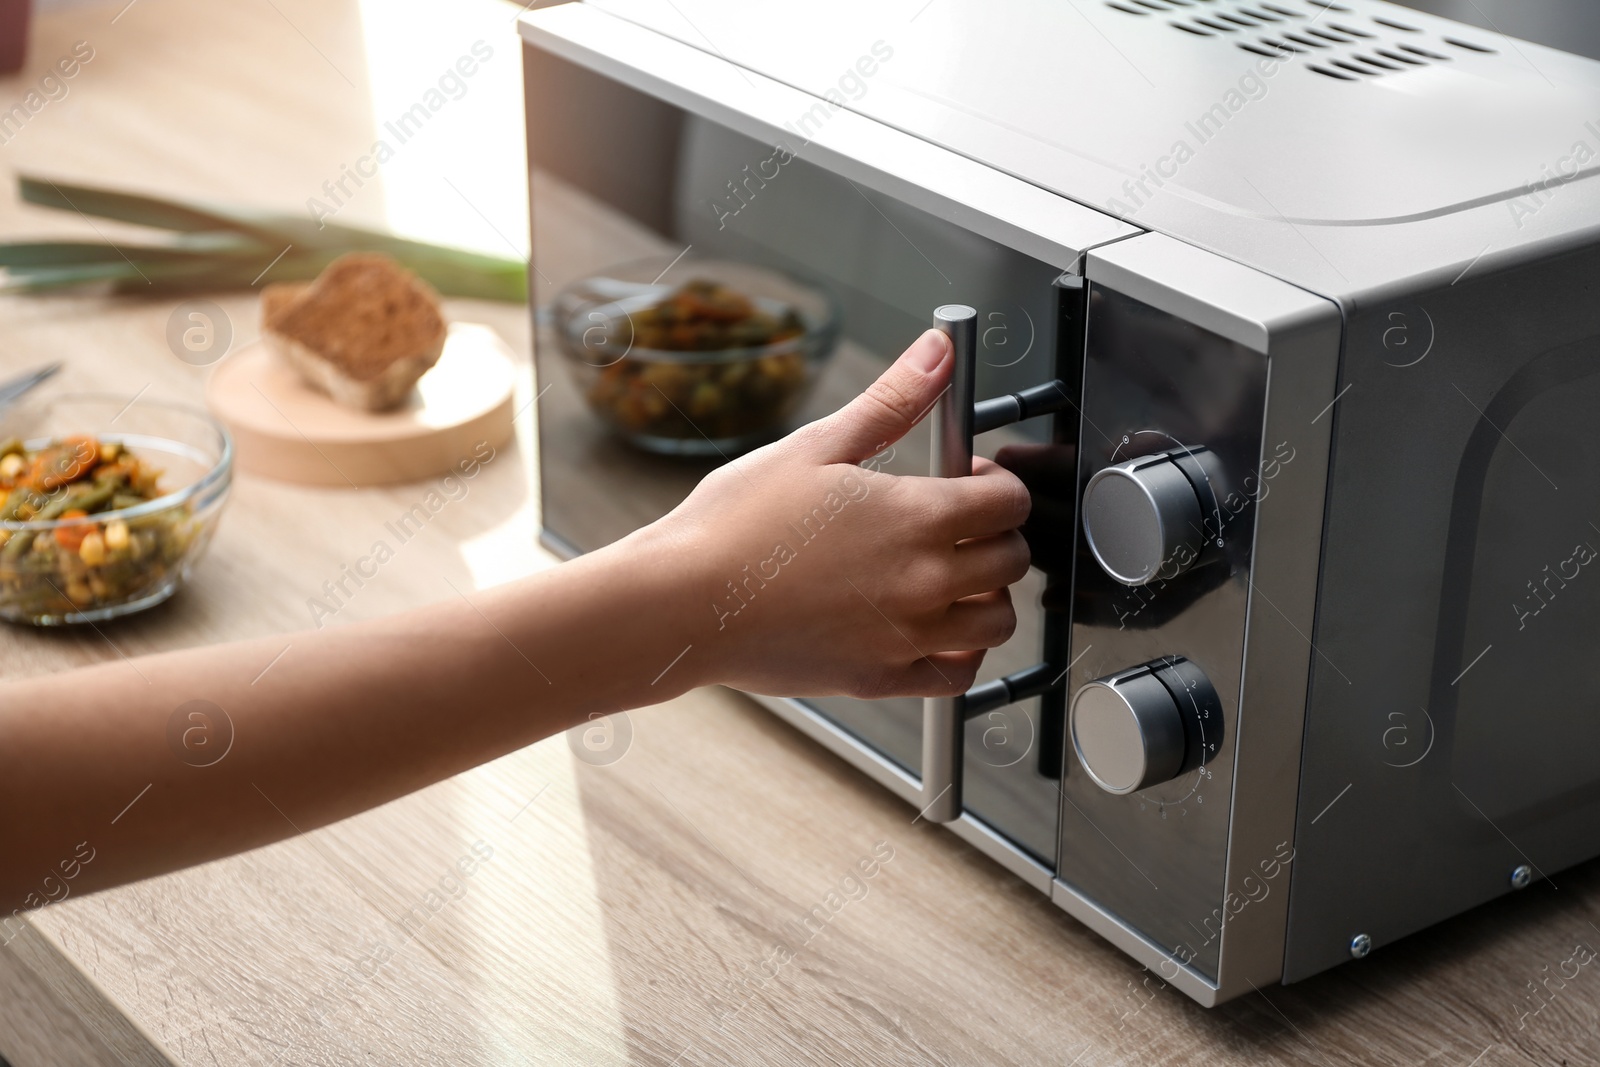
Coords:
956,418
944,718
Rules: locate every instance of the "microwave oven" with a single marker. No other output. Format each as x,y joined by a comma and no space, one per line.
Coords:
1304,298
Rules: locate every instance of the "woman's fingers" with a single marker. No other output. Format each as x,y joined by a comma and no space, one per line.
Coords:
939,674
1045,469
987,563
984,621
992,501
948,649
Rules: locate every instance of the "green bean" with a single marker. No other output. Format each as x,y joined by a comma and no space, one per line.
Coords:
80,497
20,542
19,496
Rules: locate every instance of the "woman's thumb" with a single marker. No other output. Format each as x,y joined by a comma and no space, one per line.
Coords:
893,404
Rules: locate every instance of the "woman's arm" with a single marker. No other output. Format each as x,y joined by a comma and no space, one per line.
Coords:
793,570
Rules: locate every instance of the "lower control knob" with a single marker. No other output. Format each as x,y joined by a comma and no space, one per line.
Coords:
1132,730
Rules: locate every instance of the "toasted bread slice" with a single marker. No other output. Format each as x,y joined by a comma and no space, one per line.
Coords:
276,296
363,332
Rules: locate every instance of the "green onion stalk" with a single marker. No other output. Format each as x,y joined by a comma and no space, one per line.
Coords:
220,247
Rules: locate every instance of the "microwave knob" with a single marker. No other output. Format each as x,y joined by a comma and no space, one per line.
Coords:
1128,729
1147,518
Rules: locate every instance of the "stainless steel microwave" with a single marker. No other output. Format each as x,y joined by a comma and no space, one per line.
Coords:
1314,291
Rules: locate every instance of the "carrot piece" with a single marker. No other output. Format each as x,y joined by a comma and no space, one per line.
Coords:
66,462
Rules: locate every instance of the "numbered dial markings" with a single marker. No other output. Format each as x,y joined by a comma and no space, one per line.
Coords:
1149,730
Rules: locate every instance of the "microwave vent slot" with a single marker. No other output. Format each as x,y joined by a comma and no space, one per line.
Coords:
1334,40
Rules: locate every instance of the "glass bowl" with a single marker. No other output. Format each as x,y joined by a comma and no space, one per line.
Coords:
141,553
713,362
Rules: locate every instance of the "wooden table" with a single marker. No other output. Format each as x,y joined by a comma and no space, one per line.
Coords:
645,911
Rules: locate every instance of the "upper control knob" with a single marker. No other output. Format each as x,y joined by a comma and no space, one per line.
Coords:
1145,725
1151,517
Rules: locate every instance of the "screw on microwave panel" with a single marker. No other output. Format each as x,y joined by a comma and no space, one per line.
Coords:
1360,945
1521,876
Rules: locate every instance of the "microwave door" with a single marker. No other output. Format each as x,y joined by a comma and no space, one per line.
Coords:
698,185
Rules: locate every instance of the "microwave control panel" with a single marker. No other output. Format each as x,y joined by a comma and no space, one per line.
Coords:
1170,465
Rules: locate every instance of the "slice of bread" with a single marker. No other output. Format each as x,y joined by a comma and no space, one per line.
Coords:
363,332
276,296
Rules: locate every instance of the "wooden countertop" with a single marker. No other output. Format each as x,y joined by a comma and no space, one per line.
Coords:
648,911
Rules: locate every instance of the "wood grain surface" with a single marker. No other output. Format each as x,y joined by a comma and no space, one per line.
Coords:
695,891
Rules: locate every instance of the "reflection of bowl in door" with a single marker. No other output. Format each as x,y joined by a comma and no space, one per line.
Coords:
717,361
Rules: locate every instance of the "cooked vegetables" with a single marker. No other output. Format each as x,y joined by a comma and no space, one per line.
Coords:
87,561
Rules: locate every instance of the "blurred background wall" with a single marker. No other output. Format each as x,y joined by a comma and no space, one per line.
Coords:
1570,25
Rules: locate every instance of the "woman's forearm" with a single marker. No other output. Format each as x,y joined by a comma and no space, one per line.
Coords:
347,719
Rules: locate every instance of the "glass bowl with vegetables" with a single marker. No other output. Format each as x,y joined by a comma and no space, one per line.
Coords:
105,505
696,357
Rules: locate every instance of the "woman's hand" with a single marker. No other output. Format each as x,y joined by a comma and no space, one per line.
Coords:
816,575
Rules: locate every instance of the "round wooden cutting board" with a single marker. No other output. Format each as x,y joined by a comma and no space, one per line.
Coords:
284,429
